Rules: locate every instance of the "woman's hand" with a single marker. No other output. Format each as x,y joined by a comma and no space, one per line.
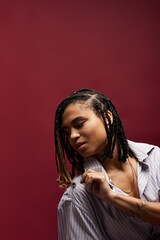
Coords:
97,183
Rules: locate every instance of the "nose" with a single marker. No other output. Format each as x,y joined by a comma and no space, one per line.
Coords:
74,134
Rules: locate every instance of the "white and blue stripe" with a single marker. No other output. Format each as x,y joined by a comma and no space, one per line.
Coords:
81,215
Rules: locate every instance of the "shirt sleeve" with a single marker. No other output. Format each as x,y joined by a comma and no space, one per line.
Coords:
75,223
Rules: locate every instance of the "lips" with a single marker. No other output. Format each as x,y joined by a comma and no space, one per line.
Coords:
79,145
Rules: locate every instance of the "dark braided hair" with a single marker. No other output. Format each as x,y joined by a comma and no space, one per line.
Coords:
100,105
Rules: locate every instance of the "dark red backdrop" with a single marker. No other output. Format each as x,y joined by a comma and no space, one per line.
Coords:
49,49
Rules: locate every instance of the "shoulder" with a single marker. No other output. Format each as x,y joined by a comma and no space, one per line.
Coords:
143,147
146,153
143,150
76,195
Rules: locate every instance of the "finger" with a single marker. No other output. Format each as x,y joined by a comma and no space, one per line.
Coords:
93,183
94,177
97,176
85,174
90,184
88,180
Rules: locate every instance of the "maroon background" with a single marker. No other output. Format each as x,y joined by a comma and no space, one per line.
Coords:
49,49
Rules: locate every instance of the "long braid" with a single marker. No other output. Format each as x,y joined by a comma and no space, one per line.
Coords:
100,104
62,169
64,176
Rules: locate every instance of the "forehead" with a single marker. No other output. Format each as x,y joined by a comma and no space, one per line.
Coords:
75,110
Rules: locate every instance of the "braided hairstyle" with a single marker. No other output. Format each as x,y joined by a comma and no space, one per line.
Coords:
100,104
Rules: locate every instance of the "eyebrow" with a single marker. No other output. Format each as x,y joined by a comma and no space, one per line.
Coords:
74,120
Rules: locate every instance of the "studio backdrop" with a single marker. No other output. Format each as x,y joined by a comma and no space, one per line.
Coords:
48,50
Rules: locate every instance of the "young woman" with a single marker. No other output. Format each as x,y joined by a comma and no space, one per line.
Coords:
114,190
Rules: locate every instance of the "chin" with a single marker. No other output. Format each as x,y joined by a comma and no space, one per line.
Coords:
85,154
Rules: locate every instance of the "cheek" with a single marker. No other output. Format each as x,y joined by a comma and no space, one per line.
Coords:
100,136
97,134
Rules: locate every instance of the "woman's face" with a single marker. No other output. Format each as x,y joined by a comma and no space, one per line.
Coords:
85,130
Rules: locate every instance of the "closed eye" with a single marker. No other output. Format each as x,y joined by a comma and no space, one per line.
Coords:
76,123
79,125
76,126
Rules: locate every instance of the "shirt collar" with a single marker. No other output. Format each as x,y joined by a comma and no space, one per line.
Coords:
140,150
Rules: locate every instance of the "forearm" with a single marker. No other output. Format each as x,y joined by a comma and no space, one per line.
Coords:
147,211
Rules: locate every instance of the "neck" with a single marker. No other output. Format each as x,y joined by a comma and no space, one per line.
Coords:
112,163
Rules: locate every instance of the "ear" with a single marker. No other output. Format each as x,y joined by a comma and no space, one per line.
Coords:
110,116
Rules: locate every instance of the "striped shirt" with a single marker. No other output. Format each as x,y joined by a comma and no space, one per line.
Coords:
81,215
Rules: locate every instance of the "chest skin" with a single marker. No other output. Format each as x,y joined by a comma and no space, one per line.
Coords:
125,178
